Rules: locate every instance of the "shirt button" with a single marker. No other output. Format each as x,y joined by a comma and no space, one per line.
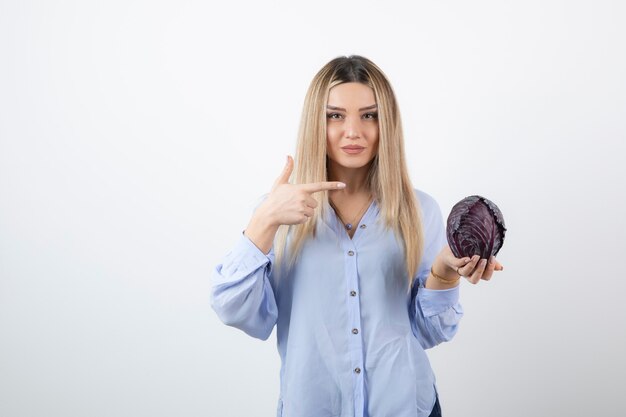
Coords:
363,226
350,253
353,293
357,370
355,331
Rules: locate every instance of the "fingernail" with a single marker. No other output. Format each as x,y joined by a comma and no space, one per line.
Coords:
341,185
492,259
483,262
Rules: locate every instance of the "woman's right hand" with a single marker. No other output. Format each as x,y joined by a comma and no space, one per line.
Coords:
292,203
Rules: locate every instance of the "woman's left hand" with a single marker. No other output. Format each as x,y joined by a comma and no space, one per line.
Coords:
474,269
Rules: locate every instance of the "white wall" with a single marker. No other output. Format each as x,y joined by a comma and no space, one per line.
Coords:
135,137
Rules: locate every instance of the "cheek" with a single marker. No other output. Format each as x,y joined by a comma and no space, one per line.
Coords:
374,150
372,131
332,135
373,135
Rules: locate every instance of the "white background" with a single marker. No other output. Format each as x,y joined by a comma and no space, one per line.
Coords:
136,137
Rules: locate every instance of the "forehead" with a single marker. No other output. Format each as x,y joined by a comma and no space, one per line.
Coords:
351,95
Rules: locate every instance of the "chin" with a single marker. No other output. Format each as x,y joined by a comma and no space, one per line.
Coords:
354,162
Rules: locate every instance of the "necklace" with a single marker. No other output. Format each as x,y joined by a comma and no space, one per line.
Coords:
349,225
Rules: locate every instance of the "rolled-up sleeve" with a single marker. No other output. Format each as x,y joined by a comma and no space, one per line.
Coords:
435,314
241,293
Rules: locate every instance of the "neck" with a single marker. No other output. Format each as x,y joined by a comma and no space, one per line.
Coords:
354,178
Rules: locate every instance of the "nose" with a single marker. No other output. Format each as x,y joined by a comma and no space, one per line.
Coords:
352,134
352,130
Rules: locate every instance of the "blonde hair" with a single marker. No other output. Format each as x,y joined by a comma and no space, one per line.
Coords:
388,178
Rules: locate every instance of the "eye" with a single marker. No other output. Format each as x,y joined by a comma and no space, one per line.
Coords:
371,116
333,116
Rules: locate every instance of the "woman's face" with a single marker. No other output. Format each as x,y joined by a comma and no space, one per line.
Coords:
352,122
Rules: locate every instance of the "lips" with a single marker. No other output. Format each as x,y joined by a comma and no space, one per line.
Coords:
353,149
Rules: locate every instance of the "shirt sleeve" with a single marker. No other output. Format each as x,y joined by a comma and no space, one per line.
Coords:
435,314
241,293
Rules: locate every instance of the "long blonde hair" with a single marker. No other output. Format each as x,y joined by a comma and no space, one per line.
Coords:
388,178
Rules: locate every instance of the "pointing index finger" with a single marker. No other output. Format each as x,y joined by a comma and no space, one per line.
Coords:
322,186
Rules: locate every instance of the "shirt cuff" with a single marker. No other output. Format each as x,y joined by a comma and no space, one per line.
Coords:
244,258
435,302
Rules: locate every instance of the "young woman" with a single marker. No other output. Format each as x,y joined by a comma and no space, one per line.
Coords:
348,260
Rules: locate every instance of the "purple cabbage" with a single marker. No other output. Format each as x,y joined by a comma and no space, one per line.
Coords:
475,227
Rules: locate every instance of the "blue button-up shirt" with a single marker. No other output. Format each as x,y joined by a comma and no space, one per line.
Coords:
350,335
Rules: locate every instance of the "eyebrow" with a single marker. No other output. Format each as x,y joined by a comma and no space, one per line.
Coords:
373,106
